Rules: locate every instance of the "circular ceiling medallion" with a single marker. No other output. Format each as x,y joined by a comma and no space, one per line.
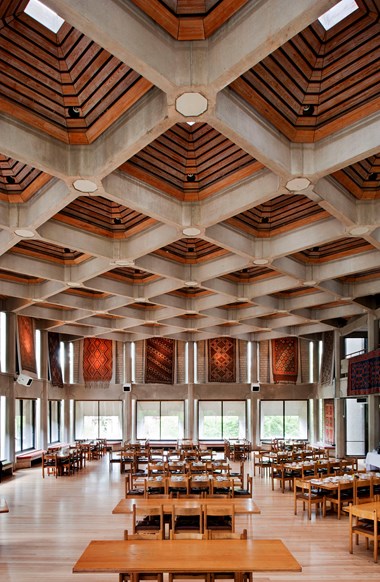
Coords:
358,230
191,104
24,233
123,263
191,283
85,186
298,184
260,261
191,231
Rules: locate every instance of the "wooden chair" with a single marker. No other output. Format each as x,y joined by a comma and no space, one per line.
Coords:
187,519
226,535
303,491
340,497
185,575
136,577
199,486
50,464
282,475
177,485
154,486
222,486
219,517
364,522
244,492
147,519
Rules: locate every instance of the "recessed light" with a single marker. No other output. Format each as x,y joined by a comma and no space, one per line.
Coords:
358,230
298,184
191,231
191,283
44,15
260,261
191,104
85,186
24,233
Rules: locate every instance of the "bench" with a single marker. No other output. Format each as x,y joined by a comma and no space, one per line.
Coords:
25,460
5,467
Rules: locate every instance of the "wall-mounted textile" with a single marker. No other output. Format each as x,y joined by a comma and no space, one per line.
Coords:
328,422
54,361
222,360
27,353
97,362
327,364
364,374
285,359
159,361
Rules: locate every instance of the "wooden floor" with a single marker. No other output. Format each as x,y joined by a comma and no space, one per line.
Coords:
51,521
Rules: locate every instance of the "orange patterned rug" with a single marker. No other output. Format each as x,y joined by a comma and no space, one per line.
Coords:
285,359
222,360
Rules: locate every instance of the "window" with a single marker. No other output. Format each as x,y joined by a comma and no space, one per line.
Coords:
356,422
160,419
95,419
222,419
25,425
353,346
283,419
54,421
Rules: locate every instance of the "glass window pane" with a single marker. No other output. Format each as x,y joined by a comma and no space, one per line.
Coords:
355,427
86,419
234,421
18,425
172,420
54,421
210,419
271,419
110,419
296,419
148,419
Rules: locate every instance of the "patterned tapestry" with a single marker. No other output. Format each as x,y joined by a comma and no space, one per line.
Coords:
159,361
97,362
364,374
27,353
328,422
222,360
285,359
327,364
54,361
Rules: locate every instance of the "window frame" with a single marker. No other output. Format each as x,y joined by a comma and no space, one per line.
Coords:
222,402
160,402
33,403
50,420
284,402
98,405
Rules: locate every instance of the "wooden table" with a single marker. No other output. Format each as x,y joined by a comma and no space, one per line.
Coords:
189,556
244,506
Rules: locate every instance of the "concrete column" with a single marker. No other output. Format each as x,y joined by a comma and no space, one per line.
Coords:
10,444
373,332
255,372
127,405
340,437
127,362
68,421
189,428
315,362
373,421
128,421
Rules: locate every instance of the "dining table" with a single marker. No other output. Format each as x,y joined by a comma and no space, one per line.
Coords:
245,506
186,556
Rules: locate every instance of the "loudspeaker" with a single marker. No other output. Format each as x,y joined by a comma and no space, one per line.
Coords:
24,380
127,387
255,387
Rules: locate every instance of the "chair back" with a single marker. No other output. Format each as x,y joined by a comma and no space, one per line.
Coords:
220,517
147,518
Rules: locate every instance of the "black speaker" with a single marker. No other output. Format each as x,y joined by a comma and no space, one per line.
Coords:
255,387
127,387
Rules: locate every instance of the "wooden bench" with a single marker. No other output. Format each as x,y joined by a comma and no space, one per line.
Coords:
25,460
5,467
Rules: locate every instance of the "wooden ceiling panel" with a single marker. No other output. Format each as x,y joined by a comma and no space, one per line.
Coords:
319,81
362,179
337,249
48,252
19,182
191,251
250,274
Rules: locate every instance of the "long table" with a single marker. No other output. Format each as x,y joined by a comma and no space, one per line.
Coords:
188,556
243,506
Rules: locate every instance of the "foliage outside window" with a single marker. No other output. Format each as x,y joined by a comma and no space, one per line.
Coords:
25,425
285,419
160,420
222,419
96,419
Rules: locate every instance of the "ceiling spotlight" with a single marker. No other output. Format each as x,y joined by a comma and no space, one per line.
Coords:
74,112
10,180
85,186
308,110
66,250
190,177
117,220
372,177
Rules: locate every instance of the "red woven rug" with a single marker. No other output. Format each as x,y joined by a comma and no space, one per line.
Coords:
285,359
222,360
328,422
364,374
97,360
54,361
27,351
159,361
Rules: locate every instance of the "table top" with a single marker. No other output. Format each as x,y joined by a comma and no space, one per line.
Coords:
190,556
346,481
369,507
242,506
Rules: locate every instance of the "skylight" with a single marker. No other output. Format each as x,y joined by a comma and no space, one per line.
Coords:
337,13
44,15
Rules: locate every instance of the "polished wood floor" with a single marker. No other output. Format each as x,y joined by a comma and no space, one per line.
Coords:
52,520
